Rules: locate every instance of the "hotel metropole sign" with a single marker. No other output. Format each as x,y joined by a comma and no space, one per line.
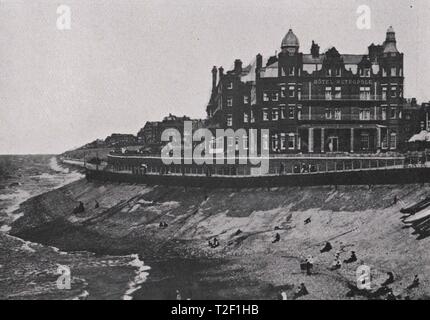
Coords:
333,82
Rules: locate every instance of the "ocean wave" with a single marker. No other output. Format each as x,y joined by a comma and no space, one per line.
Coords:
141,276
53,164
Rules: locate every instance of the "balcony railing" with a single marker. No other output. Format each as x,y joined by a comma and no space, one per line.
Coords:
354,97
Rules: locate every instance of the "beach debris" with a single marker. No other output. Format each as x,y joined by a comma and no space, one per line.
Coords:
307,221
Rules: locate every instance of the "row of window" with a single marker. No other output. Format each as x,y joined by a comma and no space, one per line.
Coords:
330,94
274,96
284,141
282,113
337,72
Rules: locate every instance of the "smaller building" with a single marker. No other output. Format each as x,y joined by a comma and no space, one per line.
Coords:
149,134
120,140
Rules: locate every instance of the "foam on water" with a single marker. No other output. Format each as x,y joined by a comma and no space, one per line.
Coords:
14,199
141,275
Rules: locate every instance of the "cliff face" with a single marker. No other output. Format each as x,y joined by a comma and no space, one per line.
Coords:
352,218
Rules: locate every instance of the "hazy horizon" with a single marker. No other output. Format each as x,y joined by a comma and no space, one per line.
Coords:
125,62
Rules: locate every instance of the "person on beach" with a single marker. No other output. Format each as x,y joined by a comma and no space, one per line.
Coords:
352,258
301,291
214,244
389,280
415,283
277,238
178,295
309,265
327,247
80,208
284,295
336,265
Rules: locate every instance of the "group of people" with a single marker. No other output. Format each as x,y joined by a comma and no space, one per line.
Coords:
304,168
81,208
163,225
213,243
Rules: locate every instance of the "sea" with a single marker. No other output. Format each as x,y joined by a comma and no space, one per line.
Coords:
34,271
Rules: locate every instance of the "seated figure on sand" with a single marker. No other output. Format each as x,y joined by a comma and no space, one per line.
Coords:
277,238
301,291
327,247
352,258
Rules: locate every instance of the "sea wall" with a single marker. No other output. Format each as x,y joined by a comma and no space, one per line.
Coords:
358,177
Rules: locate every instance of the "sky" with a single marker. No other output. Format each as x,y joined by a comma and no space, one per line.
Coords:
125,62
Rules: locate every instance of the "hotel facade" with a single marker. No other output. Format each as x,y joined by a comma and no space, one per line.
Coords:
316,102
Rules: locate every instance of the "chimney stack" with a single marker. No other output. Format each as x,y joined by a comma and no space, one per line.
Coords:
259,61
238,66
315,50
221,73
214,74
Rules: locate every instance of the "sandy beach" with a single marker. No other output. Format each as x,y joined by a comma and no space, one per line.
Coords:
246,264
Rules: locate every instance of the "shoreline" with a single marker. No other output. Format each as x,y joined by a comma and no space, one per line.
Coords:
127,223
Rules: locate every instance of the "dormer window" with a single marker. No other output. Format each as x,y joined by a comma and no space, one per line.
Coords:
393,71
245,99
229,102
291,71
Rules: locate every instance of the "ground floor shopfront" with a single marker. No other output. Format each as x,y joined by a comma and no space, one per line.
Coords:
335,138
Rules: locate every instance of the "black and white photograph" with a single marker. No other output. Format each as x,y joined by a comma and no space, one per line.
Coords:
195,150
